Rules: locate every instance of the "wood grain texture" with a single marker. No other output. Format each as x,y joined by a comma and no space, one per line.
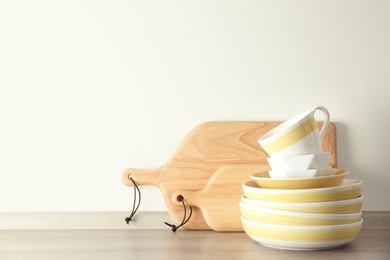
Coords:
164,244
204,150
219,199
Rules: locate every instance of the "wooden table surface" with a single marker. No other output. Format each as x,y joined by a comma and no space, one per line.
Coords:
164,244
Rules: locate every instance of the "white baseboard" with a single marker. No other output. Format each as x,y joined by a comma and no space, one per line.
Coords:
83,220
116,220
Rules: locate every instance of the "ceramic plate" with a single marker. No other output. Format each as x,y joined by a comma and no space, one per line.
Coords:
348,189
334,179
302,237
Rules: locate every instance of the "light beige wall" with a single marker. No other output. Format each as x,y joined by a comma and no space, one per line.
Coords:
88,88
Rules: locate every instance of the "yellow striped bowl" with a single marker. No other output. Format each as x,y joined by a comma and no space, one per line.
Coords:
302,237
348,189
285,217
329,207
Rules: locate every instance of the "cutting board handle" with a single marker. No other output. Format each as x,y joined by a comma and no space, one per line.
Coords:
141,177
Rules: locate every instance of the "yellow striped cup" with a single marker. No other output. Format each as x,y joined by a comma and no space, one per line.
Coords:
298,135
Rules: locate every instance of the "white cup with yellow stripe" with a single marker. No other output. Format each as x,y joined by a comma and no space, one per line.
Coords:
296,136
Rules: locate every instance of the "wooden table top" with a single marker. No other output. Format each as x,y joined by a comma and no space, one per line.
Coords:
165,244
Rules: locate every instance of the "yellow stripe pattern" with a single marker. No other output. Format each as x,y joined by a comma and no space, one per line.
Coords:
273,218
334,209
302,235
352,193
291,137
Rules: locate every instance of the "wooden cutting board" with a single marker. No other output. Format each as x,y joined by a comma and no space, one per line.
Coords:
219,200
205,149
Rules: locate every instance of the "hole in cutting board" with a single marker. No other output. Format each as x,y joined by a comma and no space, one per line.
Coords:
180,198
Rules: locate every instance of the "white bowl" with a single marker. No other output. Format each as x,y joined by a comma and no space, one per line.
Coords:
299,162
286,217
328,207
301,237
348,189
310,173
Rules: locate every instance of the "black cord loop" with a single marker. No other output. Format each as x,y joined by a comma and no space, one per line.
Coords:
184,221
137,191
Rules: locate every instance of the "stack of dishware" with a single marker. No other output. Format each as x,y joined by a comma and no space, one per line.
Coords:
302,203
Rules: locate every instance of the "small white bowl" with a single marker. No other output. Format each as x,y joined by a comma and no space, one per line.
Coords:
324,171
299,162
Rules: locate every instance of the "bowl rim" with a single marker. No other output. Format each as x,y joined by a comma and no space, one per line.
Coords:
308,204
346,184
335,173
302,214
292,227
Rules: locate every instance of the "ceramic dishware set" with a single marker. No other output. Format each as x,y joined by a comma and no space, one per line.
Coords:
301,203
